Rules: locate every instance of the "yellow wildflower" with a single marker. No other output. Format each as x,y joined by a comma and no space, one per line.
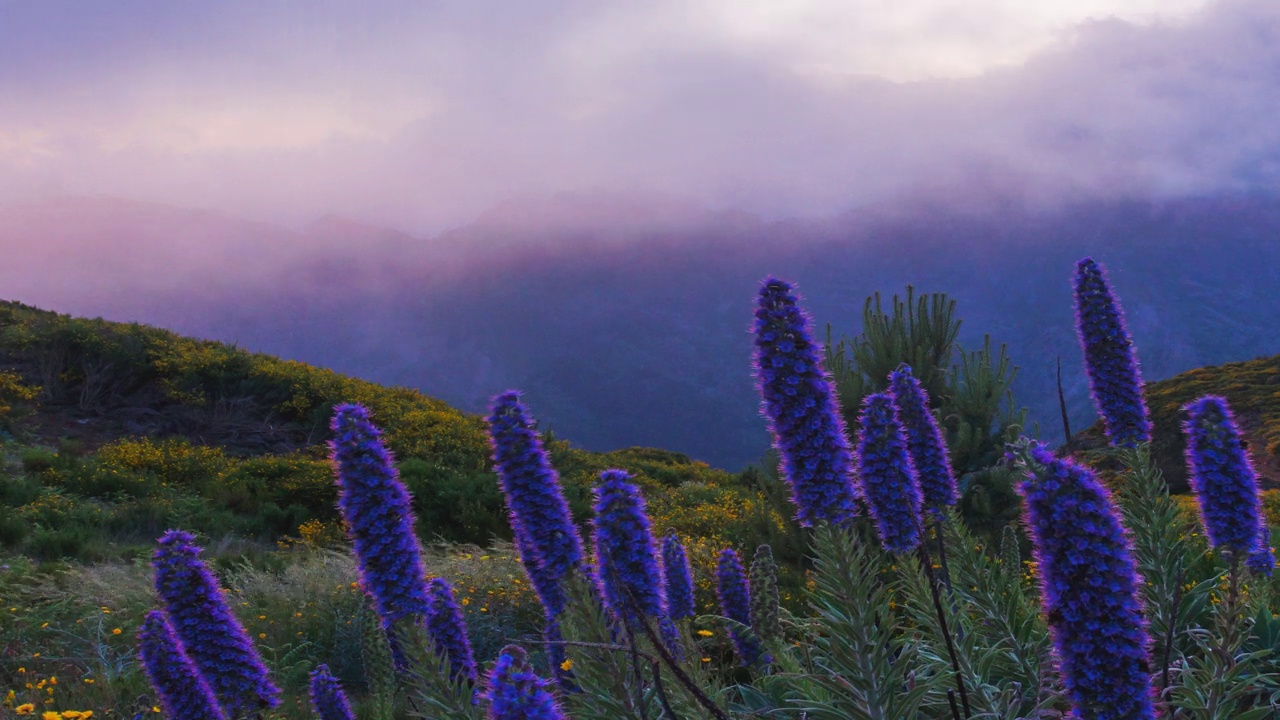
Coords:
50,715
115,631
567,665
24,709
705,633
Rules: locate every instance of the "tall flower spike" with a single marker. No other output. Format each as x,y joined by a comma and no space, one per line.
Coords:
925,443
375,505
887,477
626,555
1089,587
448,630
735,603
1111,361
801,408
764,595
1262,561
675,567
209,632
545,535
1222,477
516,693
182,690
327,698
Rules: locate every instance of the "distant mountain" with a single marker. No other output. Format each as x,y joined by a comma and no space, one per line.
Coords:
626,321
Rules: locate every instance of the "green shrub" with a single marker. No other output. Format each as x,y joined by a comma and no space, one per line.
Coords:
16,491
37,459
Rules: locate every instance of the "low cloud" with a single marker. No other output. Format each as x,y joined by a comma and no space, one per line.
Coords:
422,116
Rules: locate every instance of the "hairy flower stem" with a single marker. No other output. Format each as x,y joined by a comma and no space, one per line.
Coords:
935,591
665,656
1230,616
942,560
1167,658
679,672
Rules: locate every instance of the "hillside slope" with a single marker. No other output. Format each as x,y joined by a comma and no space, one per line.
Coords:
595,304
1251,387
114,432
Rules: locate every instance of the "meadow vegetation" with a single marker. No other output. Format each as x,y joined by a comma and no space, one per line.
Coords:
114,434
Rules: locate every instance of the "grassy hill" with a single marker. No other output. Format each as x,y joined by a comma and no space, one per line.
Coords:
1251,387
114,432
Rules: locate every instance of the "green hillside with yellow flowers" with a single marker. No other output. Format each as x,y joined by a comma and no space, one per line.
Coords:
115,432
1251,387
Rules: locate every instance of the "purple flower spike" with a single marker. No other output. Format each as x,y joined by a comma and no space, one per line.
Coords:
735,603
925,444
208,630
1089,587
545,535
1110,359
375,505
183,692
516,693
1222,477
800,405
327,697
626,554
448,630
675,566
1262,561
887,477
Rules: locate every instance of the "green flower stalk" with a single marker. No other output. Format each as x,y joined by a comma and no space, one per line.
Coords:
764,596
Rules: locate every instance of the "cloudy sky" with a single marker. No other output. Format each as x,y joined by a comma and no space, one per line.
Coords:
422,114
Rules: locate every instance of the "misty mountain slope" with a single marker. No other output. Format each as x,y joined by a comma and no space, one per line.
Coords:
624,333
